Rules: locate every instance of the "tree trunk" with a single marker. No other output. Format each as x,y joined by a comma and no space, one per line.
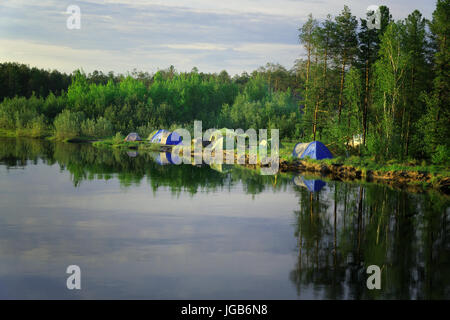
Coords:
308,66
366,103
341,87
407,135
315,120
409,114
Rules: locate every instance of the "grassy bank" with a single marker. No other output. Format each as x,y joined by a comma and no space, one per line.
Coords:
366,164
363,164
411,172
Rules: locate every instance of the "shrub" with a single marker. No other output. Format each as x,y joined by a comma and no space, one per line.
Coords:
441,155
145,130
103,128
100,128
38,127
88,128
68,125
118,138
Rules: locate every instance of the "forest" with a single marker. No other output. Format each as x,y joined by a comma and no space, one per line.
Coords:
385,88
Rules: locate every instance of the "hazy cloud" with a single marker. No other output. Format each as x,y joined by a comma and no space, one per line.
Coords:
120,35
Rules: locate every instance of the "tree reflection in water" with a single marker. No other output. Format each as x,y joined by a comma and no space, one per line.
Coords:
344,228
341,228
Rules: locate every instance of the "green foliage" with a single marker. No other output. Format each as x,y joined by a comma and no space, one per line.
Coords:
390,71
435,122
88,128
96,128
441,155
68,125
118,138
388,86
38,127
273,111
19,113
256,89
103,128
145,130
21,80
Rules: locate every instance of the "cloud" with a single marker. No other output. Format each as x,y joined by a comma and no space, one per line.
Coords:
120,35
196,46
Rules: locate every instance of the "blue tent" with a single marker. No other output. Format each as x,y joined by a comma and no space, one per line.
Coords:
314,150
166,137
312,185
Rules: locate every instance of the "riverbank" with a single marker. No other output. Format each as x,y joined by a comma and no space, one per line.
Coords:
413,178
410,175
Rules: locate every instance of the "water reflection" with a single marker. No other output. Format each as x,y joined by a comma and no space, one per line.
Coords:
299,237
132,154
343,231
313,185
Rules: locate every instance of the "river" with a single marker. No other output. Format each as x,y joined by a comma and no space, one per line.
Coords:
140,227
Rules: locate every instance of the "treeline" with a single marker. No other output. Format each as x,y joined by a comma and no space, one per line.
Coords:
379,92
384,89
21,80
97,105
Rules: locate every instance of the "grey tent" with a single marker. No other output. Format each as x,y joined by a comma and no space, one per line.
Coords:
268,144
203,143
221,141
133,137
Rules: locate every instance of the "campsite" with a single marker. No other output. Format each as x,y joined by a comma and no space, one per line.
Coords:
218,151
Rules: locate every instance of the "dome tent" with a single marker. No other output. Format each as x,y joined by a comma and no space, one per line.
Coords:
315,150
151,135
217,140
268,144
201,142
221,141
133,136
165,137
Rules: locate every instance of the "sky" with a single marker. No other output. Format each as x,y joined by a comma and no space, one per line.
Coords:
122,35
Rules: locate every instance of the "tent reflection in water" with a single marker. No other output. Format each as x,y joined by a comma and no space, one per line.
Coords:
314,185
314,150
164,158
132,154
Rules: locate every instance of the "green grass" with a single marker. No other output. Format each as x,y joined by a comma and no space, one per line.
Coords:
113,143
368,163
118,142
359,163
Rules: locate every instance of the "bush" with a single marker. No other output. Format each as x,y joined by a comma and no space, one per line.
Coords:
99,129
118,138
441,155
88,128
68,125
144,131
38,127
103,128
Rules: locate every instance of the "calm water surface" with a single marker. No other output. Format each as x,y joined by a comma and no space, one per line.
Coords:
139,227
